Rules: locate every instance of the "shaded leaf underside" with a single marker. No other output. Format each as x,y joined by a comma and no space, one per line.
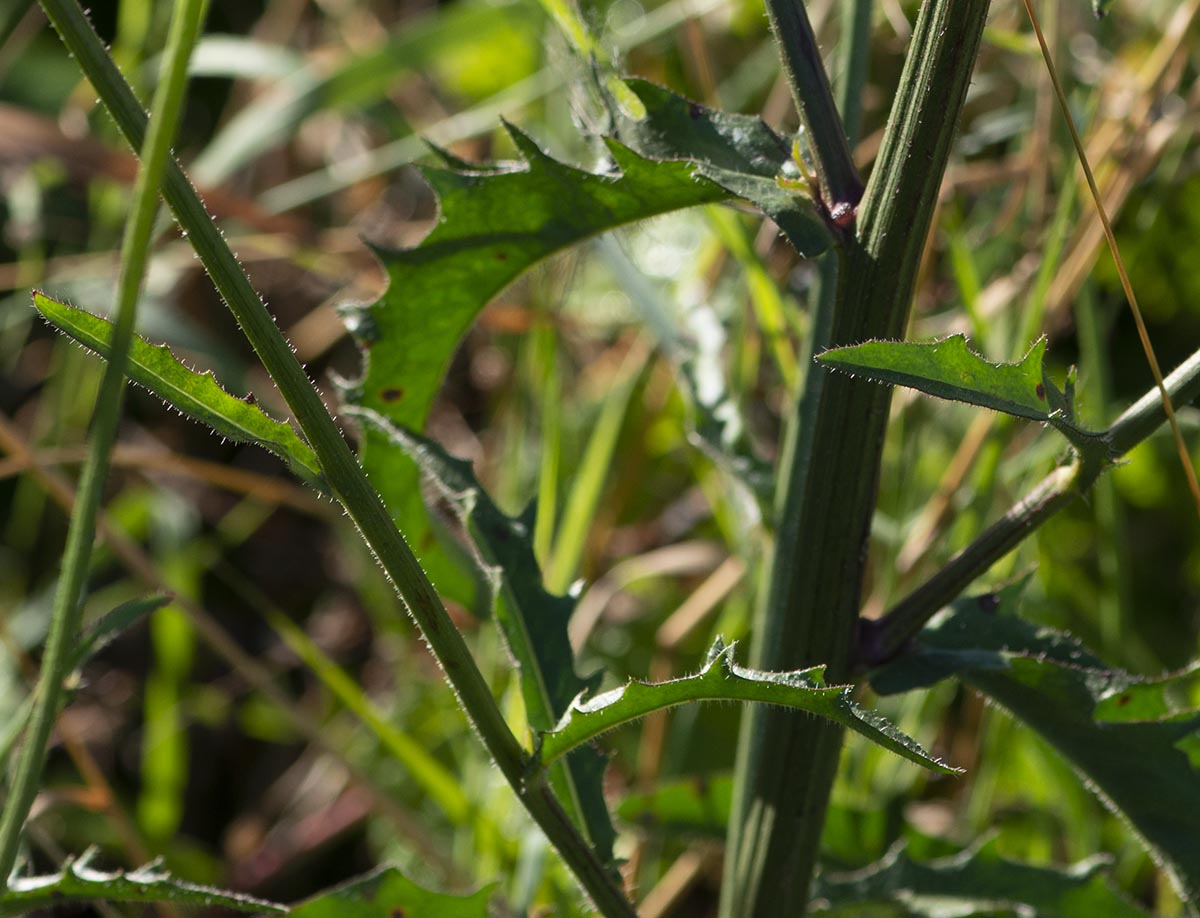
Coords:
1133,740
976,882
533,621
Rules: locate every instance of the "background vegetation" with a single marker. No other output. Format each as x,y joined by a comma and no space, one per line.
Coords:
253,768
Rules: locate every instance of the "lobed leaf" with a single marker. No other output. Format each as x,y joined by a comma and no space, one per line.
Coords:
388,893
1134,741
495,222
721,679
976,882
740,153
198,395
533,621
78,881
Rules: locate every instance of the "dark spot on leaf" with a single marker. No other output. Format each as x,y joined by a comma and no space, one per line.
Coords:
1041,392
989,603
1124,700
696,110
502,256
397,913
392,394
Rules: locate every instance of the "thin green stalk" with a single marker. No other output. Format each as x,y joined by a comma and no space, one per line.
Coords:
11,17
186,24
855,48
786,765
342,470
883,638
823,128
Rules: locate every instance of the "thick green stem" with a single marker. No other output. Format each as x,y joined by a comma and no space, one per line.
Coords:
341,468
186,24
786,764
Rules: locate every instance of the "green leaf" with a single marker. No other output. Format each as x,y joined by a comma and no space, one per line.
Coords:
949,369
976,882
198,395
694,806
1132,740
387,893
78,881
721,679
495,223
534,621
1100,8
738,152
105,629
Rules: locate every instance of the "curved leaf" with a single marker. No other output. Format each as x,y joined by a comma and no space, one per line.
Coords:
495,222
976,882
721,679
198,395
949,369
388,893
1134,741
534,621
79,882
738,152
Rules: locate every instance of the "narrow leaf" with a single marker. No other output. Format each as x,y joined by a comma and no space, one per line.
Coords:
108,627
976,882
79,882
534,621
738,152
1132,740
198,395
949,369
721,679
387,893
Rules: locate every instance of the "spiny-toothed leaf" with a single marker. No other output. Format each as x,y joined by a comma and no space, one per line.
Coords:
78,881
976,882
534,621
721,679
494,223
388,893
738,152
198,395
1133,740
108,627
949,369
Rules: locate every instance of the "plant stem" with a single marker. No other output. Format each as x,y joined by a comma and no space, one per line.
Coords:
840,182
342,470
186,24
786,765
880,640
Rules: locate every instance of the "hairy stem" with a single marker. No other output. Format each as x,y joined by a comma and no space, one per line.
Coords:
186,24
786,764
341,468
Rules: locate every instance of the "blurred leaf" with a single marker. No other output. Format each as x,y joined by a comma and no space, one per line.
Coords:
496,222
949,369
738,152
108,627
198,395
366,78
78,882
1133,740
698,805
387,893
721,679
534,621
976,882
